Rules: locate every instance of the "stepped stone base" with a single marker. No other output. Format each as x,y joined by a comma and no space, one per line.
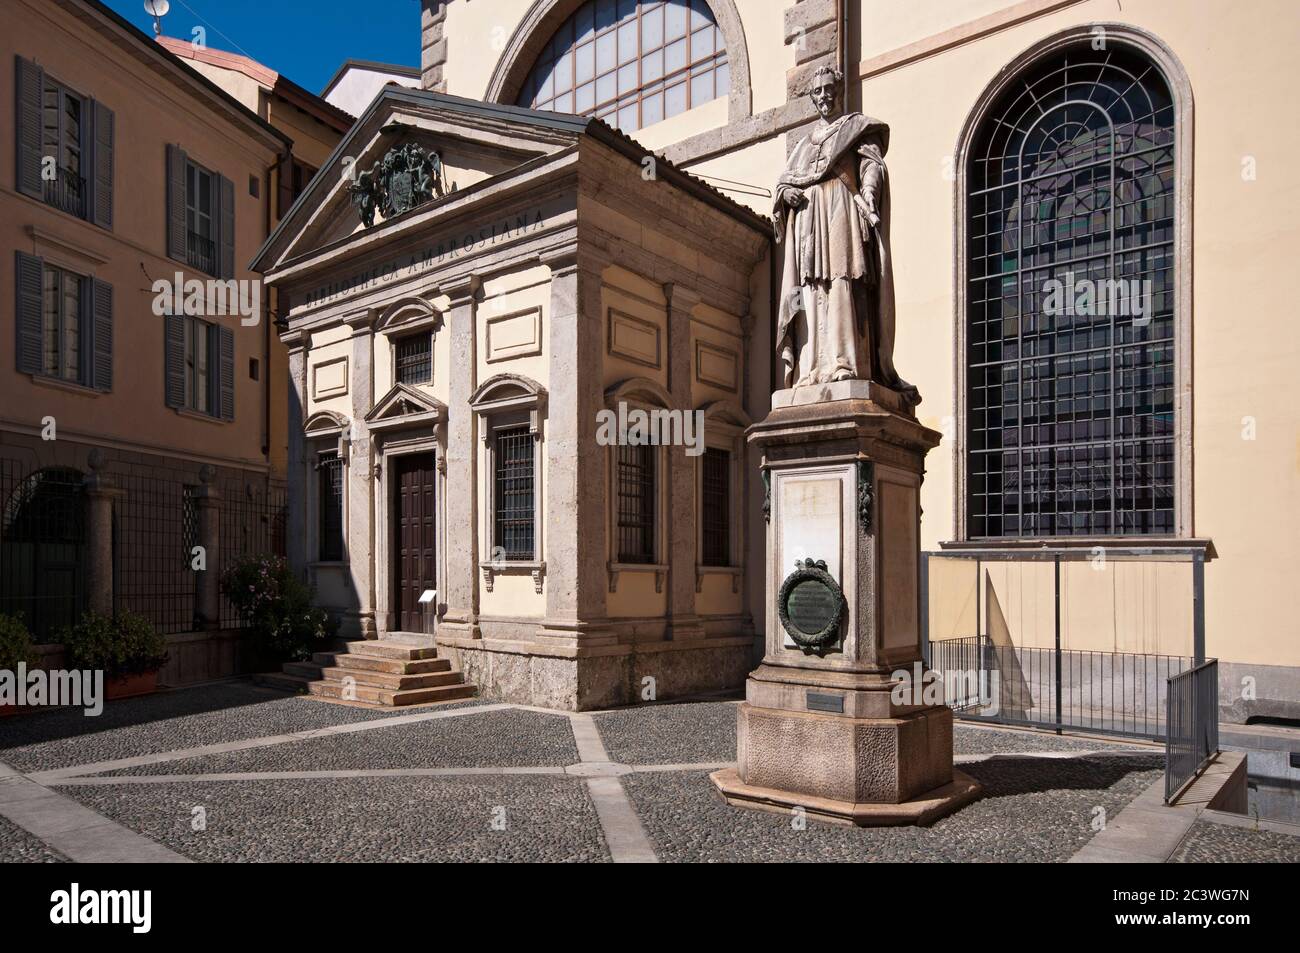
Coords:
383,672
922,810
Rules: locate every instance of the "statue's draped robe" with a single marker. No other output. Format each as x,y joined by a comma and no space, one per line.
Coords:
836,317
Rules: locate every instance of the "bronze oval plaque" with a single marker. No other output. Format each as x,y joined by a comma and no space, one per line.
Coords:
811,606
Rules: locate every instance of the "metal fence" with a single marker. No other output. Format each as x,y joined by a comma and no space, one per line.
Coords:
42,545
1118,693
45,547
1192,717
253,523
154,530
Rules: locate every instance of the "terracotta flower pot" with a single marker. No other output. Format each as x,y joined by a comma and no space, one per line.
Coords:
128,686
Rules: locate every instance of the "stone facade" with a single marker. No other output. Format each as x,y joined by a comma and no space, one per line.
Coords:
560,281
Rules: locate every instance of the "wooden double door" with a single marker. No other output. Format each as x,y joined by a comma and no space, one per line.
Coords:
415,539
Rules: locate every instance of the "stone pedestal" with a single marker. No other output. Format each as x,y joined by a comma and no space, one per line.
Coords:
827,725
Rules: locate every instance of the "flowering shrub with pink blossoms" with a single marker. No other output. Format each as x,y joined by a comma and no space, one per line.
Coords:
277,606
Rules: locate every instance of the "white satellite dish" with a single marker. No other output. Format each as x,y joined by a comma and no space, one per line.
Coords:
157,9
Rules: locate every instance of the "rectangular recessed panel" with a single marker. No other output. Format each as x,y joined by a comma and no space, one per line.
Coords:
514,335
329,378
634,339
715,365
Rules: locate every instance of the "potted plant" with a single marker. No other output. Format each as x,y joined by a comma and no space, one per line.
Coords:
277,608
128,649
16,649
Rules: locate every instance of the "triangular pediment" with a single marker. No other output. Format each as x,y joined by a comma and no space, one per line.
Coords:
405,404
468,143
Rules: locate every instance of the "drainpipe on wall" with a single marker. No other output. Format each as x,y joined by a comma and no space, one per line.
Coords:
272,303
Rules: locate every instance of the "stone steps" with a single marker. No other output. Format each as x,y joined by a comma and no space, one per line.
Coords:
389,698
383,672
390,680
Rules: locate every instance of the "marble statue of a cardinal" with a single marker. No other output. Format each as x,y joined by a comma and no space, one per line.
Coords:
836,317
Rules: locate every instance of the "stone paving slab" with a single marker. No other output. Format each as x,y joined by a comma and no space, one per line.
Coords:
17,846
1208,843
666,732
972,739
130,727
363,820
502,738
1032,810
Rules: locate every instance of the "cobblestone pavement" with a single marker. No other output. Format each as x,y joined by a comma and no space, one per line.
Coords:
1208,843
491,781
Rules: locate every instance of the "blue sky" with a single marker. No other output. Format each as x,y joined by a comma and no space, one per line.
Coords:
306,40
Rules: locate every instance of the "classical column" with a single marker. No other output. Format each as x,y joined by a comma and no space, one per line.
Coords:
461,570
296,522
207,605
101,491
681,516
360,500
576,485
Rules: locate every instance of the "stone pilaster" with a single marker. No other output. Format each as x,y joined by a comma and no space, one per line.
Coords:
683,623
207,591
576,485
461,569
812,28
296,521
433,45
360,496
101,491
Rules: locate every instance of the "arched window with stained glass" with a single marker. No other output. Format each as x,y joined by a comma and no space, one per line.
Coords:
1070,301
631,63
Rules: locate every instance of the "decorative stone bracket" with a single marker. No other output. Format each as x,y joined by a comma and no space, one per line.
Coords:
659,569
536,570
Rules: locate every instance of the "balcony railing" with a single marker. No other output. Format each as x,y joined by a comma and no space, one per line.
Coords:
201,253
67,192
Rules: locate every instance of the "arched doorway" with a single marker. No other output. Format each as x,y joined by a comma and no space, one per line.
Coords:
43,551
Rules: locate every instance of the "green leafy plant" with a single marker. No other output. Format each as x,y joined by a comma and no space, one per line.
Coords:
126,645
15,644
277,605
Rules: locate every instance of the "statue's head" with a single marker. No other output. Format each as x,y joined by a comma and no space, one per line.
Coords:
825,90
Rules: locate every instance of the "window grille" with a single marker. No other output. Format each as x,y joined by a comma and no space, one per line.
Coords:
515,502
329,469
716,507
414,359
631,63
1070,400
636,504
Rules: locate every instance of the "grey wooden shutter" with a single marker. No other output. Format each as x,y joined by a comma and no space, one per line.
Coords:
174,359
28,280
101,334
226,228
29,84
176,239
101,177
226,362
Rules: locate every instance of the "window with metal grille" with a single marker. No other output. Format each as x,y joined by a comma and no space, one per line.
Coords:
1070,320
636,504
329,470
716,507
415,359
515,503
631,63
200,218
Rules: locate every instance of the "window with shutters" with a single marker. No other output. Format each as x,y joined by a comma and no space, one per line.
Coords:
61,140
64,146
329,502
63,319
200,228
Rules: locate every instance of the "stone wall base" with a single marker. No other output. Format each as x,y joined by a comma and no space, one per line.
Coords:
584,680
